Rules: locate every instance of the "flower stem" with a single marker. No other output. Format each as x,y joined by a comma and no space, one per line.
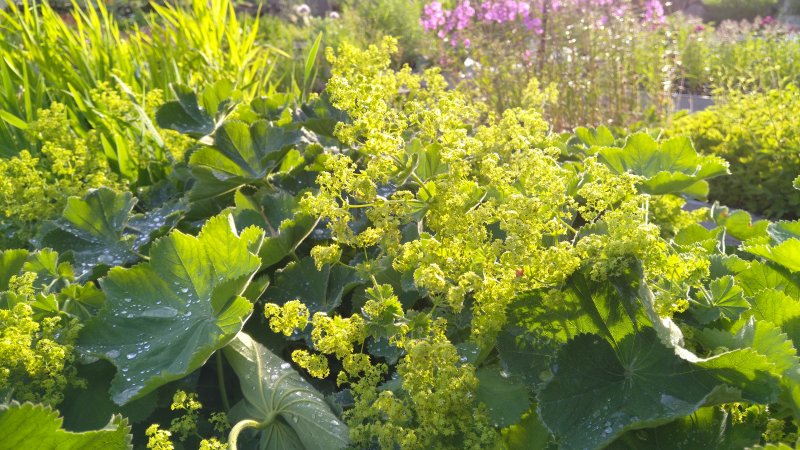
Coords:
223,392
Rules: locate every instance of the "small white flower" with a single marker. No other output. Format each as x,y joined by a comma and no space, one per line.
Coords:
333,15
469,62
302,10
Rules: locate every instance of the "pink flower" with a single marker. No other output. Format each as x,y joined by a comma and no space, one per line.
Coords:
654,11
433,16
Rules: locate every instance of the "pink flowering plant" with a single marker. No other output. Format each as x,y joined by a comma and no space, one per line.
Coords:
598,54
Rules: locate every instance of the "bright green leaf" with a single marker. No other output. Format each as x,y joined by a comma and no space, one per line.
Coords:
11,262
722,298
92,228
294,414
672,166
597,392
29,426
529,434
166,317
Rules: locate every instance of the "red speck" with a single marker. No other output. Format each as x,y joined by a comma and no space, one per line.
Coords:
520,272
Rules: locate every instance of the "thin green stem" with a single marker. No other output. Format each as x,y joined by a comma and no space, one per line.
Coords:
233,437
223,391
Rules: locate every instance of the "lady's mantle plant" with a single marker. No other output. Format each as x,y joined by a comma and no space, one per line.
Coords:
439,276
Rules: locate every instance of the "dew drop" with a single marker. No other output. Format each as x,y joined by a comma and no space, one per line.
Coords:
112,354
131,355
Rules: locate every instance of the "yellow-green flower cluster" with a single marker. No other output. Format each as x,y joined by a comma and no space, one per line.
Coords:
293,315
158,439
186,424
480,209
436,410
316,364
35,356
36,186
337,335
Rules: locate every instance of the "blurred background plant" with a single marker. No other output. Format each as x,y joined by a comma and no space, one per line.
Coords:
759,135
612,62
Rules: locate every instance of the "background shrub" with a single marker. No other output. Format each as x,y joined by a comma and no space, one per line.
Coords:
758,133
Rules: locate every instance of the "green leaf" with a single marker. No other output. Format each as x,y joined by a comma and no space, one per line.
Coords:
277,212
672,166
248,152
529,434
780,309
766,276
787,253
739,224
320,290
166,317
13,120
241,155
49,268
92,228
591,137
525,358
294,414
783,231
768,340
597,393
98,375
29,426
185,115
11,262
506,401
697,235
782,245
707,429
81,301
722,298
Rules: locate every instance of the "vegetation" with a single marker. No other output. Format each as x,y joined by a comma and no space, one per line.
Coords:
217,240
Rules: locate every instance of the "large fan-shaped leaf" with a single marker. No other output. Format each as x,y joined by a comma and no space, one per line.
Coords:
598,393
293,414
185,115
672,166
99,229
722,298
93,229
167,316
29,426
241,154
782,245
779,309
761,276
740,224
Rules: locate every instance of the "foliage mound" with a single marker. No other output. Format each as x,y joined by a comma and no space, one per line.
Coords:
387,265
759,135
